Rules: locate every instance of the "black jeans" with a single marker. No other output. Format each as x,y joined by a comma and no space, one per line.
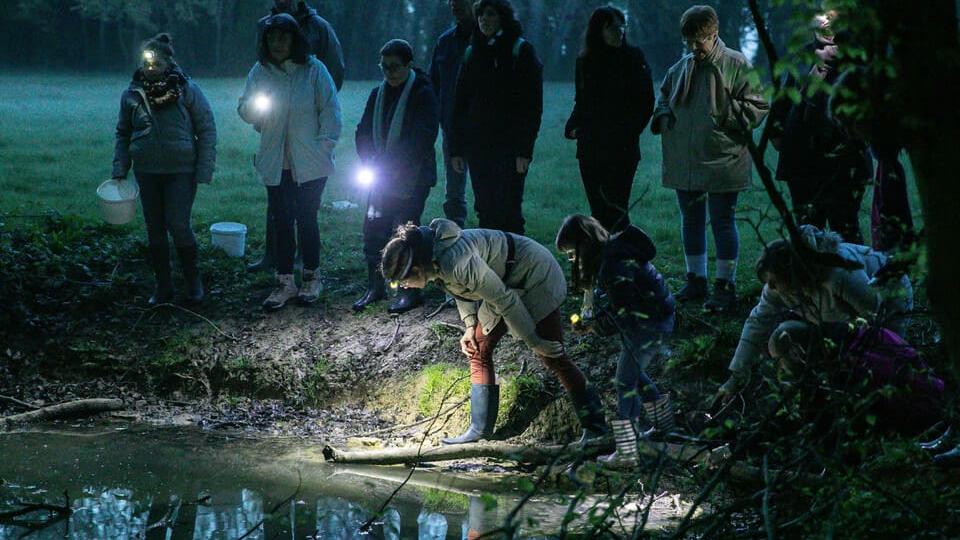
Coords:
835,200
497,191
455,200
384,214
294,209
167,200
608,184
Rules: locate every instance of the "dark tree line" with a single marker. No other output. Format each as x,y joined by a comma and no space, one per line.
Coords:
216,37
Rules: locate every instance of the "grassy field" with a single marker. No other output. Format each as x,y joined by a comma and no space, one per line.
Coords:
56,142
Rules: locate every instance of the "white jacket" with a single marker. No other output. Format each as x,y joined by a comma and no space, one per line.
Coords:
303,115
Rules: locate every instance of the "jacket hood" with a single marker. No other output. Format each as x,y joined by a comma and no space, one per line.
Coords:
822,241
631,243
281,21
446,234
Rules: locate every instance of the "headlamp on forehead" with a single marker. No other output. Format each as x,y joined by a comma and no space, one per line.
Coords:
149,56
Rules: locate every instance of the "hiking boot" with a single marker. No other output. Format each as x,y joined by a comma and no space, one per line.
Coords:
484,406
285,290
724,297
694,291
191,274
160,261
310,289
376,289
406,300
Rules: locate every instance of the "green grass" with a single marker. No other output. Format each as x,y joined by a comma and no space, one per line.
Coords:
56,140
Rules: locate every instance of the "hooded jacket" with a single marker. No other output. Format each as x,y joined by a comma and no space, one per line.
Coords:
712,109
303,117
844,296
636,291
613,103
445,67
178,138
412,163
470,264
323,40
499,99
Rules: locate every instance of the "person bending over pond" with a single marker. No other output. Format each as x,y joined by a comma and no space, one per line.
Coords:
501,282
291,100
802,300
167,133
636,304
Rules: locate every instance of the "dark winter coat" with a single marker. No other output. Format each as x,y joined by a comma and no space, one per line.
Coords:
637,294
178,138
812,145
413,161
499,99
614,101
323,40
445,67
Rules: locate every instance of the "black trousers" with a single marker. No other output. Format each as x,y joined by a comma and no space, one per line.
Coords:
385,214
294,208
497,191
832,199
608,184
167,200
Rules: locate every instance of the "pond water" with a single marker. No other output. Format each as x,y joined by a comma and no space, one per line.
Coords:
181,483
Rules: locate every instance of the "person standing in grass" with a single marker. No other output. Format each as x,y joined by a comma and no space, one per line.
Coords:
638,306
502,282
395,139
706,111
613,103
292,102
324,44
496,115
167,134
444,68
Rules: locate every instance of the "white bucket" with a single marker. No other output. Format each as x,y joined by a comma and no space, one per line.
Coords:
230,237
118,201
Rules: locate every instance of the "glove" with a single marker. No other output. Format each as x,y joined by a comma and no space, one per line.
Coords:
548,348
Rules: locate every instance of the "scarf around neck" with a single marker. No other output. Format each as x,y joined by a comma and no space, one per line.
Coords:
396,123
164,91
682,91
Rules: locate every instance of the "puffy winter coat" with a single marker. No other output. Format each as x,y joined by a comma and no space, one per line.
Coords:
303,116
413,162
471,263
499,99
712,109
635,290
844,296
323,40
178,138
614,101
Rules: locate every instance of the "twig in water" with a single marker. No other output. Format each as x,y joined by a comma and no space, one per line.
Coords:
18,402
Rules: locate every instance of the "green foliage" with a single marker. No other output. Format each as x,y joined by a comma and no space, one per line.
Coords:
443,501
439,381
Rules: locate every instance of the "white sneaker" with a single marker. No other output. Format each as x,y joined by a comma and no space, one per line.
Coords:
285,290
310,290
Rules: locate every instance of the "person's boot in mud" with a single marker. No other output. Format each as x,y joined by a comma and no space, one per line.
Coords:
376,288
406,300
191,273
484,407
160,261
660,415
285,290
590,411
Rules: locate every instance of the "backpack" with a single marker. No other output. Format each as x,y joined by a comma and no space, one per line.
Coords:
515,52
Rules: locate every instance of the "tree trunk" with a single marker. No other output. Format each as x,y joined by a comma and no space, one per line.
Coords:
926,52
72,409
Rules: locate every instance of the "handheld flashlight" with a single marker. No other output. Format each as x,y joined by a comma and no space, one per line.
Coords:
366,177
261,102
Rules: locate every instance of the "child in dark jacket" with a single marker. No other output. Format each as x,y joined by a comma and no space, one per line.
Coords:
638,307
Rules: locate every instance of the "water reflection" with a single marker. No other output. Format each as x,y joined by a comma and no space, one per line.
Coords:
230,521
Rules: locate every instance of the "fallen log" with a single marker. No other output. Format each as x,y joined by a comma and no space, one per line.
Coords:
71,409
534,455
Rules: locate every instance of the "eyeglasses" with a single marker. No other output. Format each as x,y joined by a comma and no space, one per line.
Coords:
690,42
391,68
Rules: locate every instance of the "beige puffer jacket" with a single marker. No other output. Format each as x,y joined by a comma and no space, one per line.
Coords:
470,264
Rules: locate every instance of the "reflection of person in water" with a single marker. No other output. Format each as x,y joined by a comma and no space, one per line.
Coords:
480,520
